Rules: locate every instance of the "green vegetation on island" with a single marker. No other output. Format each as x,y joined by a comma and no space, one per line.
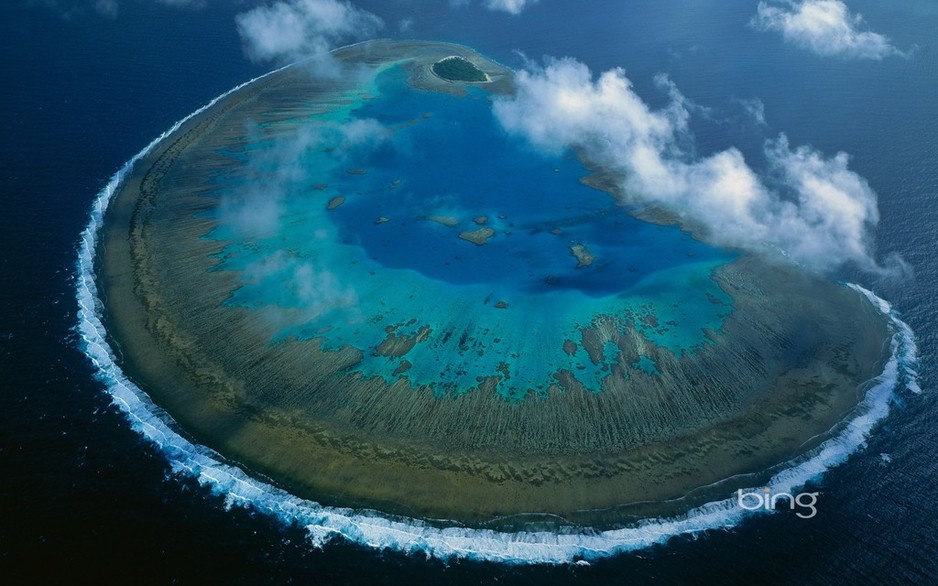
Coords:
455,68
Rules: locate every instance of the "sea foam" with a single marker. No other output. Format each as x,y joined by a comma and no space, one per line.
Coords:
371,528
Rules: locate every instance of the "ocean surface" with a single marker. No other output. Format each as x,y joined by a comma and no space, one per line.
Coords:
85,495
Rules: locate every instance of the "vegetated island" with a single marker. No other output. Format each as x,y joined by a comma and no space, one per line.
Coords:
455,68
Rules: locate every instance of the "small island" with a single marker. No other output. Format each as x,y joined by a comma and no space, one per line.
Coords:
454,68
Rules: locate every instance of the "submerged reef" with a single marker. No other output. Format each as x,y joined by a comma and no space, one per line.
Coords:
584,257
344,341
479,236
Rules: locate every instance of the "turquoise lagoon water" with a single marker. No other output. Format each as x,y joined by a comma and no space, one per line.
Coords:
379,262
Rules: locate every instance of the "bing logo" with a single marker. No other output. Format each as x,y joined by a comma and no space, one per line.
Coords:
755,501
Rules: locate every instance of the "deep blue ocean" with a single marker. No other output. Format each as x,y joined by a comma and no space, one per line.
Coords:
85,496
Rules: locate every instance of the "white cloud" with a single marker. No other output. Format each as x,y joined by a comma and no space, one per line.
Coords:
68,9
106,8
316,290
509,6
824,26
260,208
813,209
191,3
295,29
255,211
278,171
755,108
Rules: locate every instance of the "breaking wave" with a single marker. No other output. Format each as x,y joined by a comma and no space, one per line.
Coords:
372,529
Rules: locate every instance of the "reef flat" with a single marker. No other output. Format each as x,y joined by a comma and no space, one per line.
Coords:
386,364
